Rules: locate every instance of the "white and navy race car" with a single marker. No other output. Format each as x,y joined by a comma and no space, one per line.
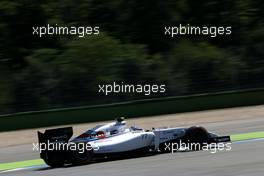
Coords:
117,140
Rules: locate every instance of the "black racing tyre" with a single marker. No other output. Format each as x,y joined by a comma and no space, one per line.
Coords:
196,135
80,157
54,159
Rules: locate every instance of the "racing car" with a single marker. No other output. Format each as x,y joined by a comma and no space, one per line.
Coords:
117,140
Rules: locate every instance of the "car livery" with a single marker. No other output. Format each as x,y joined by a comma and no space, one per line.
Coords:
117,140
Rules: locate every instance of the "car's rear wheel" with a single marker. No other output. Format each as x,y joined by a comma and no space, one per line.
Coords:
81,156
54,159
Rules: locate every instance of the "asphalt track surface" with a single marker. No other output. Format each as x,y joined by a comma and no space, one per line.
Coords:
245,158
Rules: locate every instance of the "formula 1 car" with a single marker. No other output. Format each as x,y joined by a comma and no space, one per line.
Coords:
117,140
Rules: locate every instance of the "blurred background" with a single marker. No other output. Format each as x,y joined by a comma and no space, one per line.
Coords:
64,71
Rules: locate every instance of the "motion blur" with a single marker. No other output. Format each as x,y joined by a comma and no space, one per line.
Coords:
57,71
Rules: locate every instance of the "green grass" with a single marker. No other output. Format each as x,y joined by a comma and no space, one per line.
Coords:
29,163
246,136
20,164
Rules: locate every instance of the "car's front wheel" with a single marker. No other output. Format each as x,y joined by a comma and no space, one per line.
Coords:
196,136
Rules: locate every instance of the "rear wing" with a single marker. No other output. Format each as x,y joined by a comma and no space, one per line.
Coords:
55,135
58,135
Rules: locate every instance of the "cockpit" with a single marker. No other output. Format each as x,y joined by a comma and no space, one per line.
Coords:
107,130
